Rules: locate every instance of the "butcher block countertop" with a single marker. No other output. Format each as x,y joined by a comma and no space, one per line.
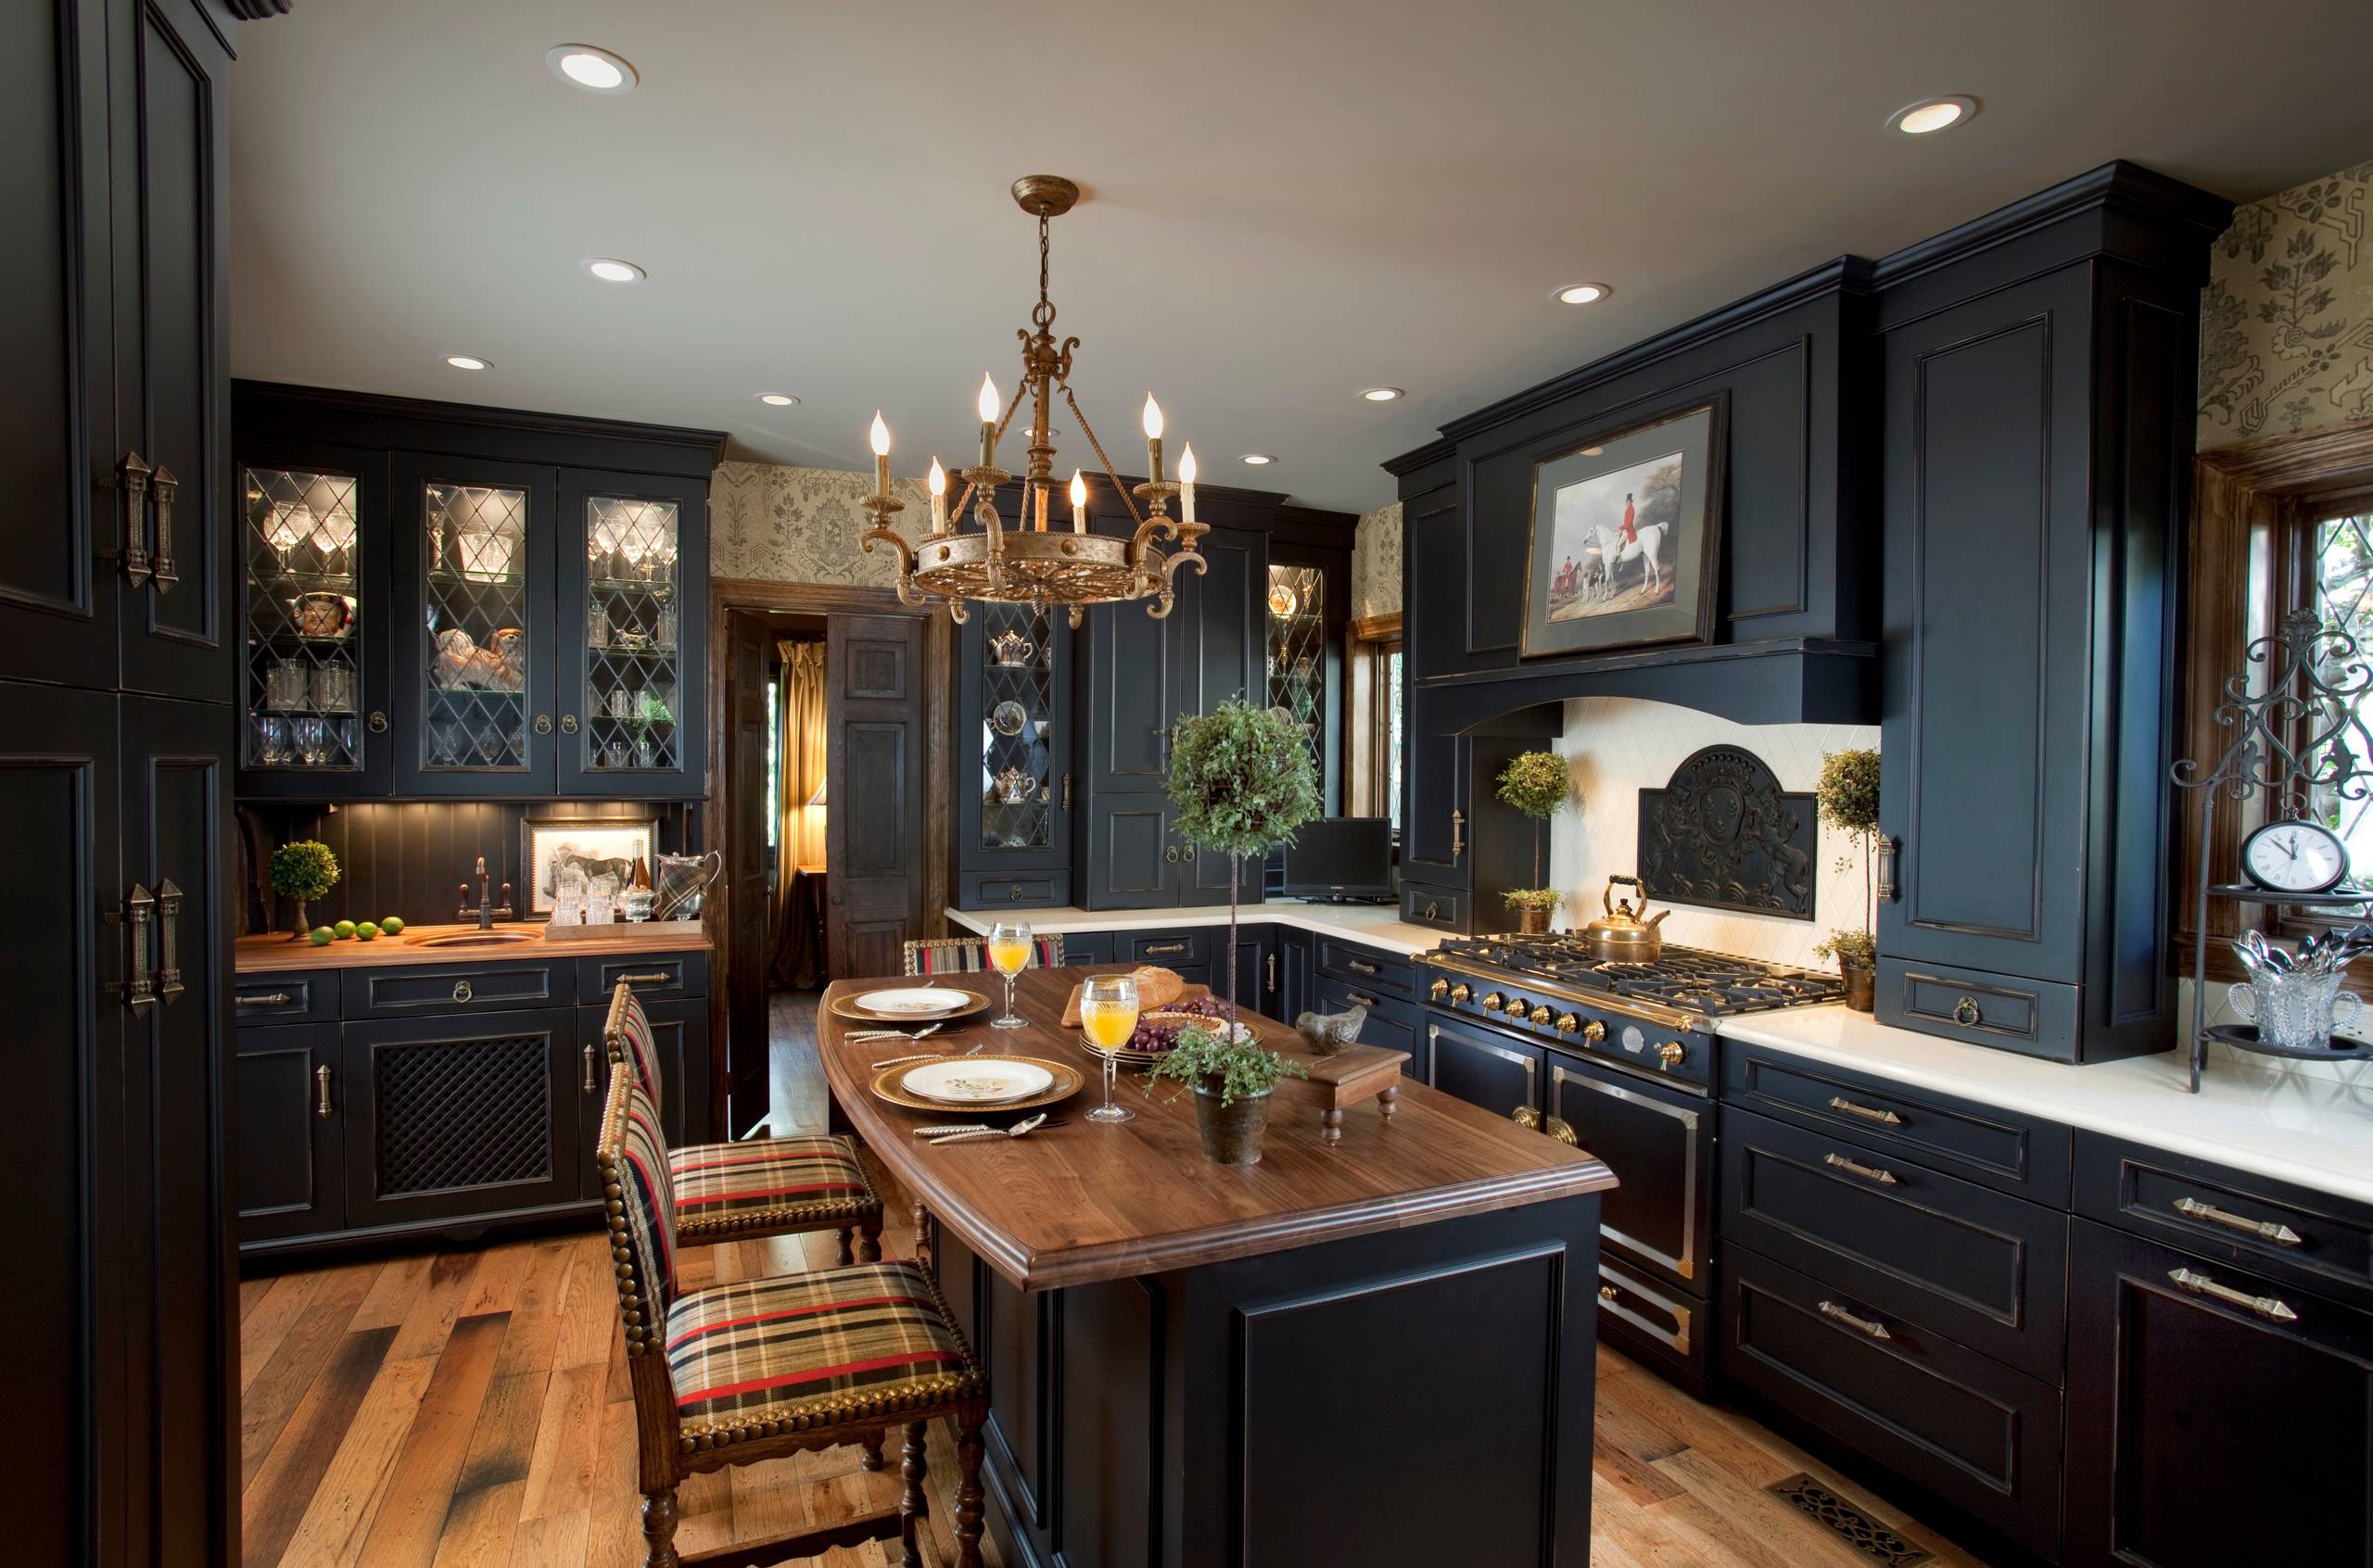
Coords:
1084,1202
269,955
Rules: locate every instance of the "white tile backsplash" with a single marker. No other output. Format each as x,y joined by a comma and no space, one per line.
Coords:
1617,746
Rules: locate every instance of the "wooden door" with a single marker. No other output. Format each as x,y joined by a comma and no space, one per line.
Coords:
58,456
66,959
180,1322
873,769
748,957
170,105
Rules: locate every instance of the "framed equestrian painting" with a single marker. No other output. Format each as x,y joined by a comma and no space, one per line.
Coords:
582,855
1626,536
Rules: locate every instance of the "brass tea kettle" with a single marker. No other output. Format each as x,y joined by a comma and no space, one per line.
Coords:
1623,935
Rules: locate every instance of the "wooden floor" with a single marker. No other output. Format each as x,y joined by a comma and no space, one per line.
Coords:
470,1408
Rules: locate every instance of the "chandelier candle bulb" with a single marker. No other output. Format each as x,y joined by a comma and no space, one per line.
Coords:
880,435
1079,503
1153,440
988,406
938,496
1186,484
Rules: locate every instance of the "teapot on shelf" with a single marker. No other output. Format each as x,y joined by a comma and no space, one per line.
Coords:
1624,935
1010,649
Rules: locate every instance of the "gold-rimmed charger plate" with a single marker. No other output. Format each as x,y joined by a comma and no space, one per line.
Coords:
1068,1080
846,1007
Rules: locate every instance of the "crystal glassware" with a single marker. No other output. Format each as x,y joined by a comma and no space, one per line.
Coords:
2296,1011
1107,1016
1009,955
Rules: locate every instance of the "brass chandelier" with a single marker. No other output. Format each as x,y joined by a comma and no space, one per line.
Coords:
1025,564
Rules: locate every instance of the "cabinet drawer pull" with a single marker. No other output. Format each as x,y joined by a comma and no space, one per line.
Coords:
139,990
568,724
2273,1309
2264,1229
1885,1118
1273,974
268,999
1457,834
324,1105
1360,997
462,992
162,486
591,1087
1967,1013
169,911
543,724
662,977
376,722
1162,947
1170,853
1857,1324
1855,1167
1888,848
1359,967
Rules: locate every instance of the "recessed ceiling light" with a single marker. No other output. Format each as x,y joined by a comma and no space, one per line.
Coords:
596,70
468,361
610,270
1932,114
1380,394
1259,459
777,400
1581,294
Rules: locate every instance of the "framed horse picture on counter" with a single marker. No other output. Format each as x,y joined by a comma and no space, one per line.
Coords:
1626,535
582,855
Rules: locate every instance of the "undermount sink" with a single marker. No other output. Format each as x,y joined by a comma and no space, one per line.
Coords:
476,938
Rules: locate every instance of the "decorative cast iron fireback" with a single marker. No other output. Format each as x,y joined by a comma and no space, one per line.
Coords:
1724,834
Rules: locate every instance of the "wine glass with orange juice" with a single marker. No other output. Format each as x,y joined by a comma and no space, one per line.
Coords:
1009,955
1108,1016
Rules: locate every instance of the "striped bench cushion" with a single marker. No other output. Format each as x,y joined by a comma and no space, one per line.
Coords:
769,1185
766,1356
628,1034
632,1155
963,956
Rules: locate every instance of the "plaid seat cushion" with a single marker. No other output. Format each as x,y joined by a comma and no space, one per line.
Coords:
628,1034
969,955
772,1186
767,1356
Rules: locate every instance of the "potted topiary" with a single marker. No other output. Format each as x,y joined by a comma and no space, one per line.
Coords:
1535,784
304,871
1848,796
1231,1083
1241,780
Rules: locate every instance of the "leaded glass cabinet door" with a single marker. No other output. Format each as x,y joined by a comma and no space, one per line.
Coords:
315,723
634,608
473,657
1013,755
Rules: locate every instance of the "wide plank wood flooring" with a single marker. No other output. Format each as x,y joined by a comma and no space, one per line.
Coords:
469,1409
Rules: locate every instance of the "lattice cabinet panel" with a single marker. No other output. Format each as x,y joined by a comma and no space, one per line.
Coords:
457,1115
632,641
303,614
475,593
1018,776
1297,658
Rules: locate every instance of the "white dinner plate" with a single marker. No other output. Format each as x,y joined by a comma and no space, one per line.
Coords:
977,1081
920,1002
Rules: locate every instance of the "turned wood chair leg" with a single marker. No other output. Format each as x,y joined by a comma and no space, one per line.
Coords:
868,1241
872,1447
911,1504
848,1236
968,1491
922,1236
659,1530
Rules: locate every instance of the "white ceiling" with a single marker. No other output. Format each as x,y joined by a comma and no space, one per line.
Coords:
1286,201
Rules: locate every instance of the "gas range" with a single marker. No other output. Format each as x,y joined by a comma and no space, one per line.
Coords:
1653,1019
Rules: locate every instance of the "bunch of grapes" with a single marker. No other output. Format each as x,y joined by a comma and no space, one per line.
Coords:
1161,1036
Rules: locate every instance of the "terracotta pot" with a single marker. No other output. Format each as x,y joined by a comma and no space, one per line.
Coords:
1532,919
1231,1132
1861,985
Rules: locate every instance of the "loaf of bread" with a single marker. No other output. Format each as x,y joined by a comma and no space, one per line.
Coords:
1157,987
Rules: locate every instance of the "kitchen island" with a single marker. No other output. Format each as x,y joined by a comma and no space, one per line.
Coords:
1378,1350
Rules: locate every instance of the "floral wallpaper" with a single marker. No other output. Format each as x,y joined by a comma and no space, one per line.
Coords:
2286,322
1375,564
802,525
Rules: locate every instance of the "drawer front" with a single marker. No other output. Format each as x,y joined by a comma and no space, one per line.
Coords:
1436,908
477,988
2033,1017
2288,1232
292,996
1088,947
1482,1067
1033,890
654,976
1367,970
1989,1271
2000,1148
1170,949
1668,1328
1391,1023
1976,1432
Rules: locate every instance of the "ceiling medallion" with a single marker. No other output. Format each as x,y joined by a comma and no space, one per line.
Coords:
1025,564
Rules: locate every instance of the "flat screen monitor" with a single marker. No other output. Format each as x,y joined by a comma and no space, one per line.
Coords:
1340,857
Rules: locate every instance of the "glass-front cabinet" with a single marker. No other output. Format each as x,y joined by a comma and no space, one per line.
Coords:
1296,653
1014,750
630,554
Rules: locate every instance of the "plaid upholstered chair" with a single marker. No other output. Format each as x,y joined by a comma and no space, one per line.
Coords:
758,1187
762,1367
969,955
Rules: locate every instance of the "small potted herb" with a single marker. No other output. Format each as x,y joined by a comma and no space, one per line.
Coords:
304,871
1535,783
1848,796
1533,907
1231,1083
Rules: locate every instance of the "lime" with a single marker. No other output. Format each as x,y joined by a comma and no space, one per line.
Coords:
344,928
393,925
366,932
323,936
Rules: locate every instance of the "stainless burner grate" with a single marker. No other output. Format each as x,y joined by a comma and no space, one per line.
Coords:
1690,979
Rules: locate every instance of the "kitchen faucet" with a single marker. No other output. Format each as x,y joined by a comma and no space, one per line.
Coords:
486,912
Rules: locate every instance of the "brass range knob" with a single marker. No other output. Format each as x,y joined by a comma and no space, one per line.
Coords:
1440,988
1567,1023
1594,1031
1494,1002
1669,1054
1540,1014
1460,993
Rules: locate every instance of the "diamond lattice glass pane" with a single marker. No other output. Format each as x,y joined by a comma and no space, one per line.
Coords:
1017,721
1298,651
304,678
631,616
2344,603
475,686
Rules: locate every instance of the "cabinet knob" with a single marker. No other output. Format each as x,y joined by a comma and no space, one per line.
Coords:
543,724
1966,1012
1607,1293
568,724
1170,853
462,992
377,721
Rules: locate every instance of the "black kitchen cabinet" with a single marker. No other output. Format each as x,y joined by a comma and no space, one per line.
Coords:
1292,996
1461,847
1014,749
2194,1386
631,679
1484,1066
291,1138
2037,443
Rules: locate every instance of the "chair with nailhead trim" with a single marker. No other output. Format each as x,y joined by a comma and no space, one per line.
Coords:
969,955
759,1369
760,1186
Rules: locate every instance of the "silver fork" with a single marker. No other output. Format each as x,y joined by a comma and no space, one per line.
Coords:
1028,1124
864,1035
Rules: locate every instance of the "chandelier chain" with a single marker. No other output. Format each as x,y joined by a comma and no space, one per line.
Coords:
1090,431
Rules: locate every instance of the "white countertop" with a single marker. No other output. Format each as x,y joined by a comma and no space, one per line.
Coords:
1378,924
2307,1122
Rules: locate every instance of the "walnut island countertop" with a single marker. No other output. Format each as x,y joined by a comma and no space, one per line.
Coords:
276,952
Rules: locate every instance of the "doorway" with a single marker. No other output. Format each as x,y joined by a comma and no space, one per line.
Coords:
829,799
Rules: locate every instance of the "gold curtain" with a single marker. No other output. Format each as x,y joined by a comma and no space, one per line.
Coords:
799,832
